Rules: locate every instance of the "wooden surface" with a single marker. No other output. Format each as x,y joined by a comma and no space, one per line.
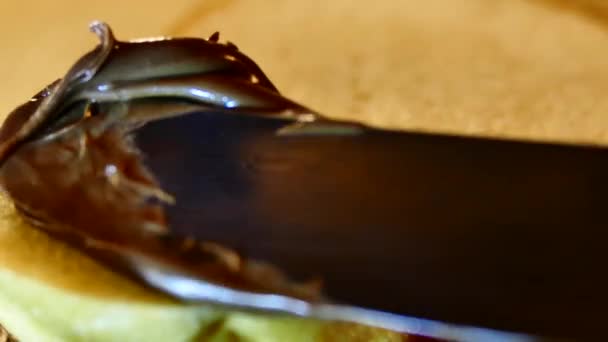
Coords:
530,68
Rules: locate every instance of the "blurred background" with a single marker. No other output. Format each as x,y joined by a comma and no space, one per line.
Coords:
525,68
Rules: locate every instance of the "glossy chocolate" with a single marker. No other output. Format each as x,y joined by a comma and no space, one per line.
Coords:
79,175
205,72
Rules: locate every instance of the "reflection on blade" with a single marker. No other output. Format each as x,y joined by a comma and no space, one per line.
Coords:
192,289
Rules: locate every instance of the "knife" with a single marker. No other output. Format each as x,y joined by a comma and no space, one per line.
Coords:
502,234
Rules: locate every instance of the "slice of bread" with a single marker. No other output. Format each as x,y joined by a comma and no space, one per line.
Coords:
516,68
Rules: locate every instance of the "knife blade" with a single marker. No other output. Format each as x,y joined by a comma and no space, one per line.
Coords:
501,234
